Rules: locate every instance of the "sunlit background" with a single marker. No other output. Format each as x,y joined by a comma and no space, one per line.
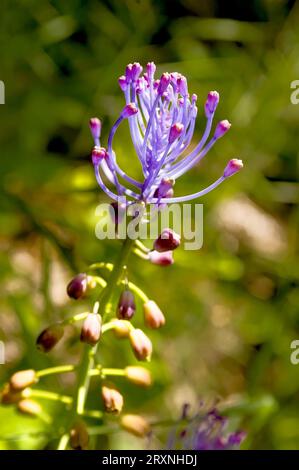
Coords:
231,307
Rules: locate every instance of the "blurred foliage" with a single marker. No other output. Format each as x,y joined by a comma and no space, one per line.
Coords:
232,307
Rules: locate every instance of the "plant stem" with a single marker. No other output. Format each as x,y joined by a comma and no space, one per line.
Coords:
55,370
88,358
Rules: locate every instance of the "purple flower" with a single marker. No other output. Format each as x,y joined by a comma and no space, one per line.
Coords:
161,116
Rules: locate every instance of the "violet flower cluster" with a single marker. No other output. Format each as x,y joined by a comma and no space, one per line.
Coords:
161,115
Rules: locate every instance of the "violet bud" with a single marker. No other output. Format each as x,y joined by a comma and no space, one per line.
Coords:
164,82
112,399
126,305
211,103
79,437
22,379
232,167
138,376
91,329
136,71
129,110
141,345
135,424
98,154
182,85
150,69
165,188
49,337
175,132
77,287
161,259
153,316
122,81
222,128
95,128
129,72
30,407
168,240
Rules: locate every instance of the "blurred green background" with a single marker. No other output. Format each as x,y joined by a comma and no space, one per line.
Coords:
232,307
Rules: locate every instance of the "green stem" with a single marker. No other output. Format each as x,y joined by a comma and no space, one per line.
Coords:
116,372
55,370
49,396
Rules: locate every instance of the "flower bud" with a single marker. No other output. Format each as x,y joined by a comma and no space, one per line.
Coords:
153,316
150,69
136,425
163,83
138,376
168,240
77,287
122,81
29,407
50,337
91,329
79,437
165,188
126,305
232,167
222,128
98,154
182,85
95,127
136,71
175,132
211,103
9,396
129,72
129,110
141,345
121,328
113,400
162,259
23,379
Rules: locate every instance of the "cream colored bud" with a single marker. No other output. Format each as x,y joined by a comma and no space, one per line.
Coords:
79,437
91,329
135,424
29,407
138,376
23,379
113,400
153,316
141,345
9,396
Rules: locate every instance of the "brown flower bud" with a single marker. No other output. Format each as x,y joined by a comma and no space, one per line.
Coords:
153,316
91,329
138,376
121,328
126,305
23,379
141,344
135,424
77,287
113,400
9,396
29,407
79,437
168,240
50,337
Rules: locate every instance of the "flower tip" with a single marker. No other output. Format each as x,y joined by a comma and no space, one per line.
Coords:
163,83
232,167
211,103
175,132
222,128
95,127
161,259
129,110
150,68
122,81
97,154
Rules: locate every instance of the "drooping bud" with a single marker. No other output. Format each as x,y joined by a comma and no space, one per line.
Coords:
22,379
141,345
168,240
153,316
161,259
29,407
138,376
49,337
175,132
95,128
9,396
135,424
121,328
163,83
77,287
129,110
126,305
91,329
232,167
122,81
211,103
79,437
98,154
150,69
112,399
222,128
